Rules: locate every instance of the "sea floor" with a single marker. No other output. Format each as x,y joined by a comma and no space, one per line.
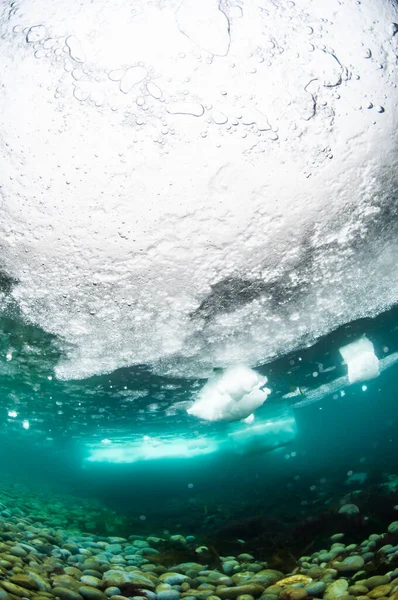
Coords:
50,548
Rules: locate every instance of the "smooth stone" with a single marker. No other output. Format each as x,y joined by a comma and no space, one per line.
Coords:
66,594
16,590
351,563
315,572
112,591
229,566
66,581
91,593
18,551
393,527
168,595
72,548
367,556
92,581
92,573
349,509
274,589
376,581
5,595
336,589
41,583
173,578
292,593
24,581
245,556
358,590
316,589
302,580
380,591
251,589
268,576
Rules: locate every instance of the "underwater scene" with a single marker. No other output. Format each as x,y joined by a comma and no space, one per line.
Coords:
198,300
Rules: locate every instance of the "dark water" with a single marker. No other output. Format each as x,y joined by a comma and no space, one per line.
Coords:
279,492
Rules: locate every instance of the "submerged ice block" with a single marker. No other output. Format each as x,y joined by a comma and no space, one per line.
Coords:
231,396
361,360
275,429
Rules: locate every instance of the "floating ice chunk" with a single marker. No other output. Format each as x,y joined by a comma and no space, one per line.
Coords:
361,360
249,420
231,396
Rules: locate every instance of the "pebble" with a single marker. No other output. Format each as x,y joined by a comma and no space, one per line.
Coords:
91,593
316,589
336,589
380,591
66,594
293,593
351,563
393,527
376,580
251,589
168,595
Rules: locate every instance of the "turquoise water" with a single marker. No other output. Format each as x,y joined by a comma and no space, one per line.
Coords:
125,439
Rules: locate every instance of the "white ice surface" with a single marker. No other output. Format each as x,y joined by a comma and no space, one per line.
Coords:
362,362
191,185
230,396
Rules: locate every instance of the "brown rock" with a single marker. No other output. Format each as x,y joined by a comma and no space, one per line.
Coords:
293,579
292,593
380,591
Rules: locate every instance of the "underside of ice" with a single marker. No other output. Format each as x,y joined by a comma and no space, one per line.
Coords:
189,190
231,396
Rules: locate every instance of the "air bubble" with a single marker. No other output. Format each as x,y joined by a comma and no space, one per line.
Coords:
116,75
131,77
219,118
380,109
75,49
77,74
154,90
36,34
185,108
81,93
367,53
